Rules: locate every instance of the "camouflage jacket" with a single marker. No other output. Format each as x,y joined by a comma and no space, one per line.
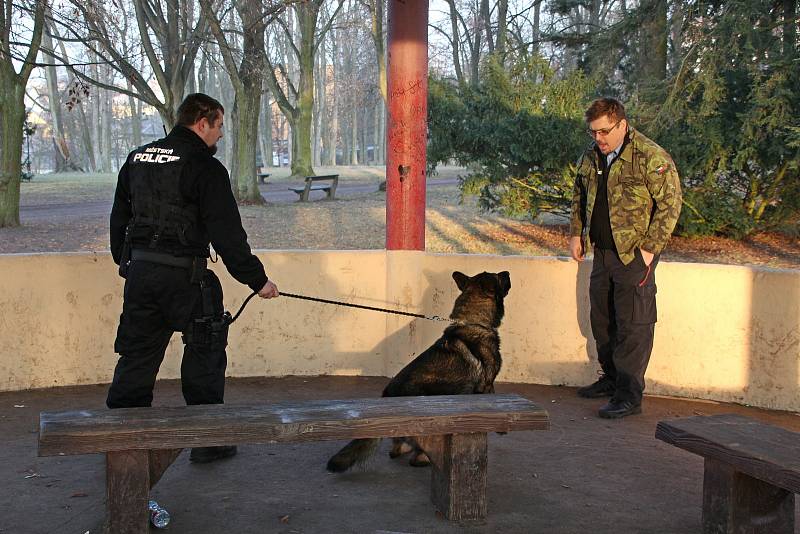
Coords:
644,196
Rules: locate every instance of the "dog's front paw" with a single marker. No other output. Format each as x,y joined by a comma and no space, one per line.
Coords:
399,449
420,460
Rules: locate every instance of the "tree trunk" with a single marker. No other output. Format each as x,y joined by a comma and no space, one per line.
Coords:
502,28
789,29
268,128
63,156
12,119
245,116
536,26
486,22
377,141
307,14
653,56
94,118
378,40
265,132
354,135
676,25
247,105
362,140
456,41
227,97
136,120
107,145
319,108
87,138
333,131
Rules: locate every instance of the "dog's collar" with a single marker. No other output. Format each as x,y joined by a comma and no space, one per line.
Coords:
464,323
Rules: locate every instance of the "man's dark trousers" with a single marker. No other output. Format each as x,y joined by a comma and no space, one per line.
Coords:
160,300
623,316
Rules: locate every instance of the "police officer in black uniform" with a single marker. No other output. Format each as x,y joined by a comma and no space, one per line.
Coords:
173,198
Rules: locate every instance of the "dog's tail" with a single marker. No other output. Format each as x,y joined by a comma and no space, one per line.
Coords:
357,451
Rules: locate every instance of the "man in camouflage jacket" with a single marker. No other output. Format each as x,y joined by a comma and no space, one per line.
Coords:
625,204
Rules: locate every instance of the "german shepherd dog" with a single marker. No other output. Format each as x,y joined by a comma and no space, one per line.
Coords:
466,359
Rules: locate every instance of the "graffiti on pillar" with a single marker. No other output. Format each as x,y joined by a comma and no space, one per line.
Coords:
412,88
405,141
408,127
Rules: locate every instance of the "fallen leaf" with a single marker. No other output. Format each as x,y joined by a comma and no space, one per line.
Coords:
285,519
79,494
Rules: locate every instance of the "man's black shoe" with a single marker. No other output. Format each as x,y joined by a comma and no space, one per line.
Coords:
204,455
604,387
616,409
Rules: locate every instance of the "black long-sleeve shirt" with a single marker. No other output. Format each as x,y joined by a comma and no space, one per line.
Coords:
204,183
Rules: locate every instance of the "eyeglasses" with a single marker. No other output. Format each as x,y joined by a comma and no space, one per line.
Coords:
603,131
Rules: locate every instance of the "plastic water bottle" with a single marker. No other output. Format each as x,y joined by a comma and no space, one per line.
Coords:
158,516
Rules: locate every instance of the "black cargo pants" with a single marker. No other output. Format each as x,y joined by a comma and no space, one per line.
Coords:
623,316
160,300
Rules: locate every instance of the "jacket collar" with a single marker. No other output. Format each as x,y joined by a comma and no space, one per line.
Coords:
185,135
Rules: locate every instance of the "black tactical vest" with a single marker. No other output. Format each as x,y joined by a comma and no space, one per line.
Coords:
162,220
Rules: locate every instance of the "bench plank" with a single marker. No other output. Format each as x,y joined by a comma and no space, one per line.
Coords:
763,451
90,431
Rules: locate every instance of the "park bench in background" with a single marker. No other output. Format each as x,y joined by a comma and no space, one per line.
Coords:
141,443
262,174
752,471
330,189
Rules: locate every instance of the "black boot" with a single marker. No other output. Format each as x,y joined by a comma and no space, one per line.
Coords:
604,387
204,455
617,409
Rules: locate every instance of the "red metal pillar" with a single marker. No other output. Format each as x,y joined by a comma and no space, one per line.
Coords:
407,128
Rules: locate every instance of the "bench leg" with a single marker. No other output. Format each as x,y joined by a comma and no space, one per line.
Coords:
127,489
737,503
458,474
159,461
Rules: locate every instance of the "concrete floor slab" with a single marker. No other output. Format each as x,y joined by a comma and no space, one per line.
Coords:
584,475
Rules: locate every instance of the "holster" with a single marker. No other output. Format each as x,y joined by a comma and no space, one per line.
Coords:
211,329
211,332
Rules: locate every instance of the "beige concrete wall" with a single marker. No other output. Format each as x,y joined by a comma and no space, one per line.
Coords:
725,333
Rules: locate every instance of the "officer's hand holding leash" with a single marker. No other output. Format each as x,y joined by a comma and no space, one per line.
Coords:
269,291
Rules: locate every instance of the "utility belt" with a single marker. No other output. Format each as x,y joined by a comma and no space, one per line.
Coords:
195,264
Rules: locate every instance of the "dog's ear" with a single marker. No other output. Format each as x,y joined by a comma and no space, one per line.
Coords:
461,280
505,281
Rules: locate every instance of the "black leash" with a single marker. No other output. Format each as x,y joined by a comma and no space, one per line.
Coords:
347,304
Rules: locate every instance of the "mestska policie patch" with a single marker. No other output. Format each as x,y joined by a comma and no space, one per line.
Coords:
155,155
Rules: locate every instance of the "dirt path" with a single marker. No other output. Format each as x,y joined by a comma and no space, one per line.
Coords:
69,213
272,192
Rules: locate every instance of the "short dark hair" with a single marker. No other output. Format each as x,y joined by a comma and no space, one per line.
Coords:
197,106
605,106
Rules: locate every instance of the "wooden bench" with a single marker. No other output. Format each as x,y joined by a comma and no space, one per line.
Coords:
330,189
752,471
262,176
141,443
